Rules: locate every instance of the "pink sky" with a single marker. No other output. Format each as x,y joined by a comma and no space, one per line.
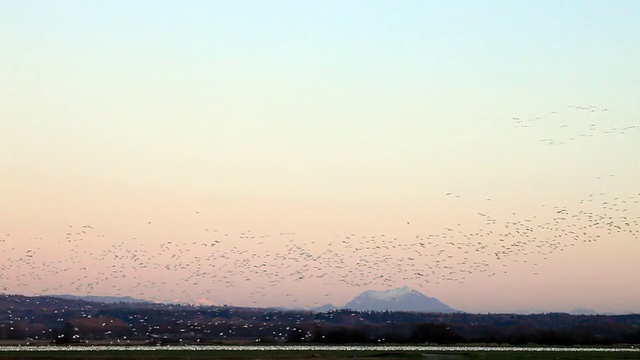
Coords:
486,155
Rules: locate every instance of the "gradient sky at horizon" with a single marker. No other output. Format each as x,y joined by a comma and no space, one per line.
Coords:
298,153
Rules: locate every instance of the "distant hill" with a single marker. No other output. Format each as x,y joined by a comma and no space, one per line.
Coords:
576,311
325,308
44,318
400,299
583,311
102,299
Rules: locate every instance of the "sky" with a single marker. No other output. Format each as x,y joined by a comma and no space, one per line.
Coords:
297,153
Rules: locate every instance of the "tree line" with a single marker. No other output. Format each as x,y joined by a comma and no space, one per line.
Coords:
64,321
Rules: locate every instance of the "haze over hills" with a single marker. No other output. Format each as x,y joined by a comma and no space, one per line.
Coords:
399,299
102,299
583,311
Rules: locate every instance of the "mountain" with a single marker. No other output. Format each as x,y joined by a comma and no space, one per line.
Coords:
102,299
400,299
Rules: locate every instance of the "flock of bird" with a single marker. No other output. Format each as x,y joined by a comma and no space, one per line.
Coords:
566,131
214,262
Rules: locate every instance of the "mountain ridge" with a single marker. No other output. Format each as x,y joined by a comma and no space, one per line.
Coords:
399,299
102,299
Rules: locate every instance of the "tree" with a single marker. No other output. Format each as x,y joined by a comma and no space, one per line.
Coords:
434,333
67,335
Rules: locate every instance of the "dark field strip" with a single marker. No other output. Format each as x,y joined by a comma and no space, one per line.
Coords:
305,354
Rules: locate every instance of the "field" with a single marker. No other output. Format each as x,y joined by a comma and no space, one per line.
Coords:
306,354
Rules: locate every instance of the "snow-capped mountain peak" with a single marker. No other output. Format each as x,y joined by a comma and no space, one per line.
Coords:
391,294
400,299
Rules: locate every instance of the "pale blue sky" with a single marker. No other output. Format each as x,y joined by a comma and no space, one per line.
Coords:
325,117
